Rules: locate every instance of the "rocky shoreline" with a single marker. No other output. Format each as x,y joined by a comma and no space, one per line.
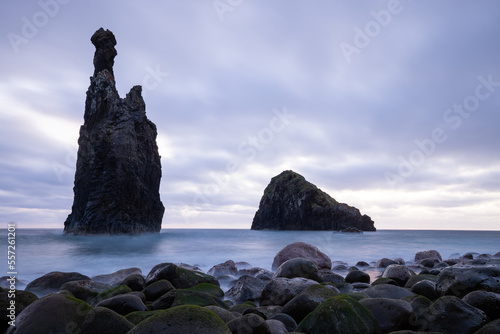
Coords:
306,293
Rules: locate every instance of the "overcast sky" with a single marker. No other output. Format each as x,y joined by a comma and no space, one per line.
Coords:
389,106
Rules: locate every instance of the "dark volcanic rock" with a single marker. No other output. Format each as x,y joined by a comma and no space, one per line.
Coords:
291,203
118,168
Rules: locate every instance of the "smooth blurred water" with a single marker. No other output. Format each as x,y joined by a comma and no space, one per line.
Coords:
40,251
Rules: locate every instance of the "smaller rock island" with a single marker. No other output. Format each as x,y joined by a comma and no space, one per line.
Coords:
292,203
118,169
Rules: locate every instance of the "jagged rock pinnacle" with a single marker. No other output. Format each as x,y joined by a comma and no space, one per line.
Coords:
105,52
118,169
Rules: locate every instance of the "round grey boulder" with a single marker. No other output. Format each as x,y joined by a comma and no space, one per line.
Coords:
490,328
299,267
187,319
157,289
249,323
428,255
391,314
384,263
459,281
246,288
451,315
280,291
488,302
276,326
399,273
303,250
51,282
425,288
124,304
387,291
355,276
102,320
223,269
306,301
55,313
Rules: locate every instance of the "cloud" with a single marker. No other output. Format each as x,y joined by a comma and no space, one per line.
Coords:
353,121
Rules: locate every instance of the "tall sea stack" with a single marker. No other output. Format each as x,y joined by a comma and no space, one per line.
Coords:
118,169
291,203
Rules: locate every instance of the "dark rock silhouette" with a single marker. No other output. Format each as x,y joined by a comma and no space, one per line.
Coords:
118,168
291,203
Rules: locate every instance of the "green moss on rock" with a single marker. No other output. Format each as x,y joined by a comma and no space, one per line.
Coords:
208,288
340,314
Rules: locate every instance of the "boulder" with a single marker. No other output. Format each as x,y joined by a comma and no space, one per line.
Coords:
157,289
102,320
306,301
419,304
136,282
223,269
303,250
7,313
488,302
339,314
299,267
209,289
398,273
332,277
287,320
249,323
246,288
451,315
280,291
384,263
490,328
116,277
428,255
391,314
118,169
291,203
184,297
460,280
420,277
86,290
224,314
387,291
187,319
256,272
425,288
354,276
139,316
180,278
106,294
52,282
55,313
276,326
123,304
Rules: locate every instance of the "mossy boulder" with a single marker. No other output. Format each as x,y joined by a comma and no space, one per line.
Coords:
384,280
420,277
240,308
102,320
340,314
157,289
185,297
139,316
106,294
224,314
306,301
124,304
180,278
186,319
23,299
210,289
391,314
249,323
136,282
54,313
86,290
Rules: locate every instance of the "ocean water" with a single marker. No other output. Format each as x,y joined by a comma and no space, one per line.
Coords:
39,251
